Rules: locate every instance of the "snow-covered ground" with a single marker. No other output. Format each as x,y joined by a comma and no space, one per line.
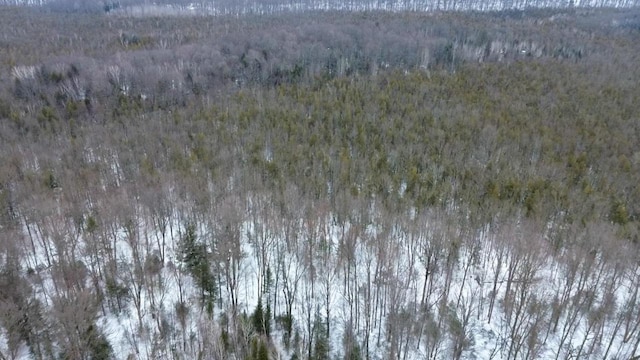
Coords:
418,288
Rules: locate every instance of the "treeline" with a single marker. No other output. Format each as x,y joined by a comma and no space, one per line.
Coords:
160,63
328,186
264,7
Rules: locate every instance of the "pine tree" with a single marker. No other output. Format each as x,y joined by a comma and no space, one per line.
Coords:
267,281
321,342
260,319
267,321
263,351
256,318
259,350
195,257
351,346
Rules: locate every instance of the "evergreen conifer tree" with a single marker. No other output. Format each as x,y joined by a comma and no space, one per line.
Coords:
195,257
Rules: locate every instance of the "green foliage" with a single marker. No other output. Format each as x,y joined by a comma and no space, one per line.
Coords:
268,281
320,341
351,346
619,214
196,259
487,137
50,180
22,317
99,346
261,319
263,352
259,349
5,109
457,331
182,311
47,118
285,322
91,224
354,353
95,346
117,295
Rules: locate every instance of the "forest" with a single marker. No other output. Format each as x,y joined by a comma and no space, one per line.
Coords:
371,184
264,7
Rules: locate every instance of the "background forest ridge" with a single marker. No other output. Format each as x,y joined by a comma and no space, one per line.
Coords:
264,7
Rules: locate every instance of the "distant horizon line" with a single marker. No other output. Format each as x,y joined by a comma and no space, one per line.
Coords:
238,8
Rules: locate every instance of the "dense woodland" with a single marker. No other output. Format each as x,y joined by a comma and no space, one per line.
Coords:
334,185
262,7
